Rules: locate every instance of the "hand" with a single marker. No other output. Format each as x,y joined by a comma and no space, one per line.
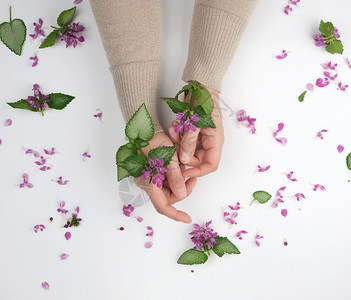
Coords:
201,149
174,188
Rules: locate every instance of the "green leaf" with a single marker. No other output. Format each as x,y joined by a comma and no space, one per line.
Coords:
134,164
13,34
165,153
59,101
121,155
348,161
302,96
205,120
66,16
203,97
140,125
144,144
50,39
335,47
224,246
192,257
326,28
21,104
175,105
184,89
261,196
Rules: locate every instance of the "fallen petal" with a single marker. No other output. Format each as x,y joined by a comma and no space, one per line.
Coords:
284,212
8,122
148,245
340,148
45,285
64,256
67,235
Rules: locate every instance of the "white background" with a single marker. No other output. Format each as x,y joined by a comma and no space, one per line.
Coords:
109,264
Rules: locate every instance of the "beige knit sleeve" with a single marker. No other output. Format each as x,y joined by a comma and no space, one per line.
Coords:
131,34
217,26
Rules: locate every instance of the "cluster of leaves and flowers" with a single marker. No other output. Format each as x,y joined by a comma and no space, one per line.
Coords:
329,37
206,239
40,102
130,159
68,31
189,115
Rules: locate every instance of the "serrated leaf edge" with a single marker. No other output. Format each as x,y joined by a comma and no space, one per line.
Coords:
22,43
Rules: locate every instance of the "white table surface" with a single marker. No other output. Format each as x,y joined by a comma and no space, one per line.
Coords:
108,264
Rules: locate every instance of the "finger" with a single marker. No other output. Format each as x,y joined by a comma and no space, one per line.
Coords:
175,178
174,136
190,184
188,145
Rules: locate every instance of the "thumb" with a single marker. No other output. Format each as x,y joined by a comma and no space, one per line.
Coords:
188,145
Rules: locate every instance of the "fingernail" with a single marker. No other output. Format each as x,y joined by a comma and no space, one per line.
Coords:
185,157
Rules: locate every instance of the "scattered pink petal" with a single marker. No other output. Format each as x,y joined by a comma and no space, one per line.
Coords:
61,209
68,235
263,169
279,197
61,182
229,217
35,60
44,168
348,62
0,141
77,1
250,122
283,55
25,183
329,76
148,245
86,155
50,152
99,114
299,195
8,122
343,87
320,133
151,233
127,210
290,176
329,65
38,29
287,9
257,238
240,233
281,140
294,2
318,186
139,219
284,212
64,256
278,193
310,87
40,227
41,162
236,207
45,286
340,148
320,83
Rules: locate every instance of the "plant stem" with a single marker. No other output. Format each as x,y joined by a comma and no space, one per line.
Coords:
10,14
55,27
42,112
252,201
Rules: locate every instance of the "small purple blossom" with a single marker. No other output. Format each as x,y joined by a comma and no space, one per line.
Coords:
151,231
99,114
299,195
236,207
263,169
61,208
38,29
25,183
290,176
68,235
204,237
35,60
148,245
320,83
31,151
240,233
39,102
250,122
127,210
62,182
63,256
257,239
287,9
50,152
8,122
86,155
40,227
230,217
279,197
41,162
73,34
329,65
340,148
281,140
187,120
150,234
77,1
318,186
318,40
320,133
45,285
44,168
155,170
329,76
139,219
284,212
283,55
342,87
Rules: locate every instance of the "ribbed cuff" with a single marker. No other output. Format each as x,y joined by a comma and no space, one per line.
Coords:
137,83
214,37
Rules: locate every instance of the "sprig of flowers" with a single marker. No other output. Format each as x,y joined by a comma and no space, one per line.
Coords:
188,115
206,239
329,37
40,102
130,159
69,32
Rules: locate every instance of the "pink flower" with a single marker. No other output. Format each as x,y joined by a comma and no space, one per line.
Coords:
348,62
321,83
329,76
61,182
290,176
148,245
236,207
127,210
329,65
240,233
320,133
230,217
45,286
299,195
151,233
40,227
294,2
41,162
35,60
73,34
281,140
278,193
25,183
318,40
343,88
68,235
44,168
63,256
31,151
284,212
257,238
204,237
309,87
250,122
8,122
340,148
61,208
318,186
287,9
38,30
155,169
86,155
279,197
263,169
139,219
50,152
283,55
99,114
